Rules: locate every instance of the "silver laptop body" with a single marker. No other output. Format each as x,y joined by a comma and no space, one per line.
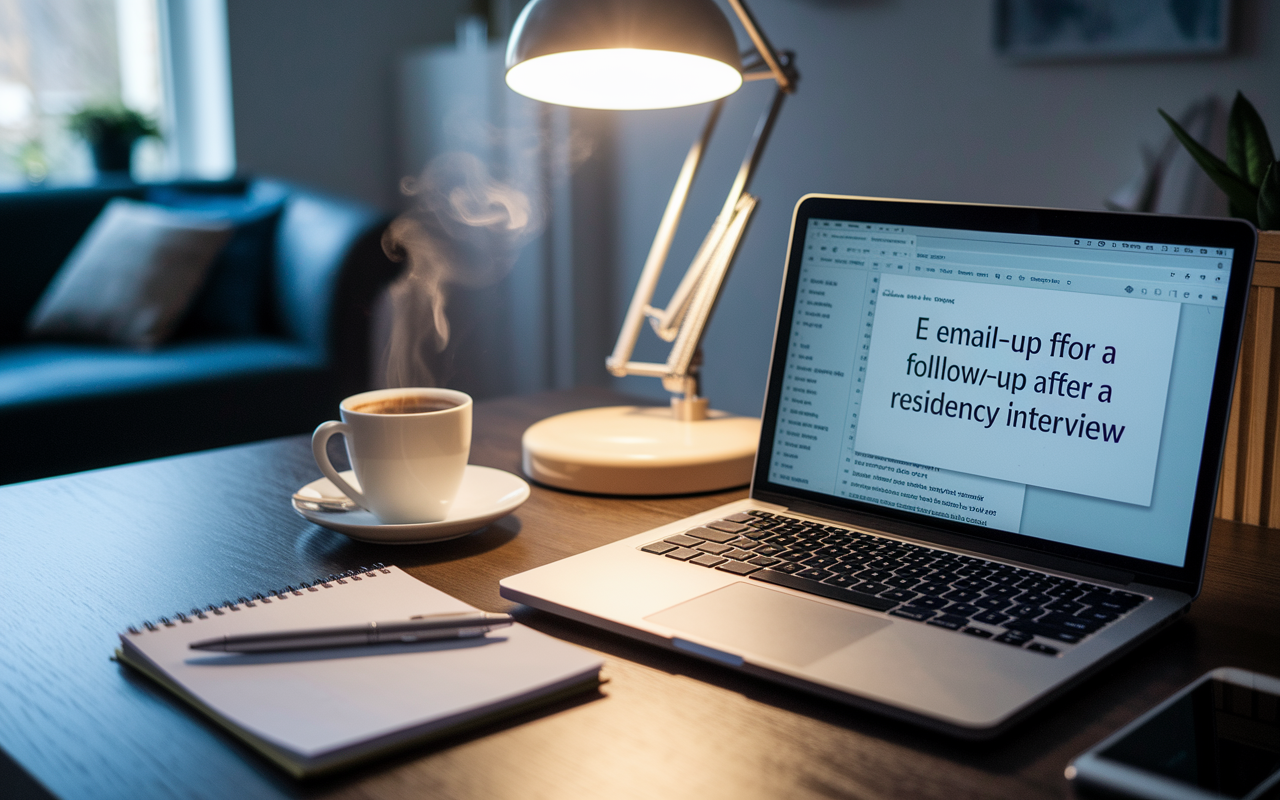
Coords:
968,406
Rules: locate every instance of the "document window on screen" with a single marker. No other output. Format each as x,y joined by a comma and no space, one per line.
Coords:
1031,384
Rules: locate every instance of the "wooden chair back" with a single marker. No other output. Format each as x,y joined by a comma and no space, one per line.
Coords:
1249,491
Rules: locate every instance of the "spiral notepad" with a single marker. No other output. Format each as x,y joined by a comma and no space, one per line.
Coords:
314,711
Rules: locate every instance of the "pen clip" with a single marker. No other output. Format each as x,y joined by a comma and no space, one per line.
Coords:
446,615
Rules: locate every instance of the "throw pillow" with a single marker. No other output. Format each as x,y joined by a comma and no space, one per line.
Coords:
130,278
236,299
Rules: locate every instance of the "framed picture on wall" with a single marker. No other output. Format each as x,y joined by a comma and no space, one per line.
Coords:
1069,30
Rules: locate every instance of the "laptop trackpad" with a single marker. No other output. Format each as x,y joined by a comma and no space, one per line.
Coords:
753,620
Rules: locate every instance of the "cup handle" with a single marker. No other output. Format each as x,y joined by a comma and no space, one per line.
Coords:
319,441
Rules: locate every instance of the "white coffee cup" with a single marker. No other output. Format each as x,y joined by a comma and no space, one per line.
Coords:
408,447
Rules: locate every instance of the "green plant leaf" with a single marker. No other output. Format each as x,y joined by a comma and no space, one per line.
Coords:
1249,152
98,121
1269,199
1243,197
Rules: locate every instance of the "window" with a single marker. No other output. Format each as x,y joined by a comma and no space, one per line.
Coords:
164,58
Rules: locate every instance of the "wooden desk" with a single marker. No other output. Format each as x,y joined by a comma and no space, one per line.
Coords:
87,554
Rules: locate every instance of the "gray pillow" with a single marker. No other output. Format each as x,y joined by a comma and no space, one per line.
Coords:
131,276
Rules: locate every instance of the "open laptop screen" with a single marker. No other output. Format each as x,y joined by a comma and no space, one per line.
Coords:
1047,385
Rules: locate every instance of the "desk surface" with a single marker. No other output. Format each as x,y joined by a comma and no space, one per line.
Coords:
88,554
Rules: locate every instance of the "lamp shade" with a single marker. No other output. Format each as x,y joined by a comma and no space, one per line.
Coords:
623,54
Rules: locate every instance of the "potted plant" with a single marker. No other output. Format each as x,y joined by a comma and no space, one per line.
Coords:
1250,176
111,130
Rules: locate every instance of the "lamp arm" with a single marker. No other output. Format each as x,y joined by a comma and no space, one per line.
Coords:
684,319
785,76
670,321
636,312
700,286
681,374
666,322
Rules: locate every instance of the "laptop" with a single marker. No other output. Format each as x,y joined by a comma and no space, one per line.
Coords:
987,466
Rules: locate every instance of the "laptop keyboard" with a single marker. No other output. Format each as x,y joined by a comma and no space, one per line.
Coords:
1010,605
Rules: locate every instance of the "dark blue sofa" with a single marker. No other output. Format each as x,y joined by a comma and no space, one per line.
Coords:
66,407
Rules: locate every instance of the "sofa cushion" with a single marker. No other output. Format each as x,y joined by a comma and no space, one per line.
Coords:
39,229
72,406
236,297
54,371
131,277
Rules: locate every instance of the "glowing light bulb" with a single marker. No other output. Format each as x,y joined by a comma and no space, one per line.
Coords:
624,79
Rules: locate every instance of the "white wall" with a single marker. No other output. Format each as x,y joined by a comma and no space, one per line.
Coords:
335,94
905,98
899,98
545,323
313,87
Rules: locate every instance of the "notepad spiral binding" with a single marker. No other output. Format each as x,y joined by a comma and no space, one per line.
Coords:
326,582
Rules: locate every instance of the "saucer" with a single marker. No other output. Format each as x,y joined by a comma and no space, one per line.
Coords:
486,494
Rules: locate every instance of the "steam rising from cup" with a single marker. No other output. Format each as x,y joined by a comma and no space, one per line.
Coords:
465,227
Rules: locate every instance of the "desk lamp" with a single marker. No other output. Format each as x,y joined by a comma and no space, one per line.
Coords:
639,54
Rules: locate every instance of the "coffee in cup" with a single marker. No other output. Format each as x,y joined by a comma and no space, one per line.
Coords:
408,448
405,404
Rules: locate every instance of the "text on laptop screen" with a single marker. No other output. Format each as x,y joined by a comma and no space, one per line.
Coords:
1047,386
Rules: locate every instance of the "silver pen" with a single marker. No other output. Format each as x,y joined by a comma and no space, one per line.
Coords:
422,628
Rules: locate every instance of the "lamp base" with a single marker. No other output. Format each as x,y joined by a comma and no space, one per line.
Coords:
639,450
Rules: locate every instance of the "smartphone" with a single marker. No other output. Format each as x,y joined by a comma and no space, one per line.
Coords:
1217,738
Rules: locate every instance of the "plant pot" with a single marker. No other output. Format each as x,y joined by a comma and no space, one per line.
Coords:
112,154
